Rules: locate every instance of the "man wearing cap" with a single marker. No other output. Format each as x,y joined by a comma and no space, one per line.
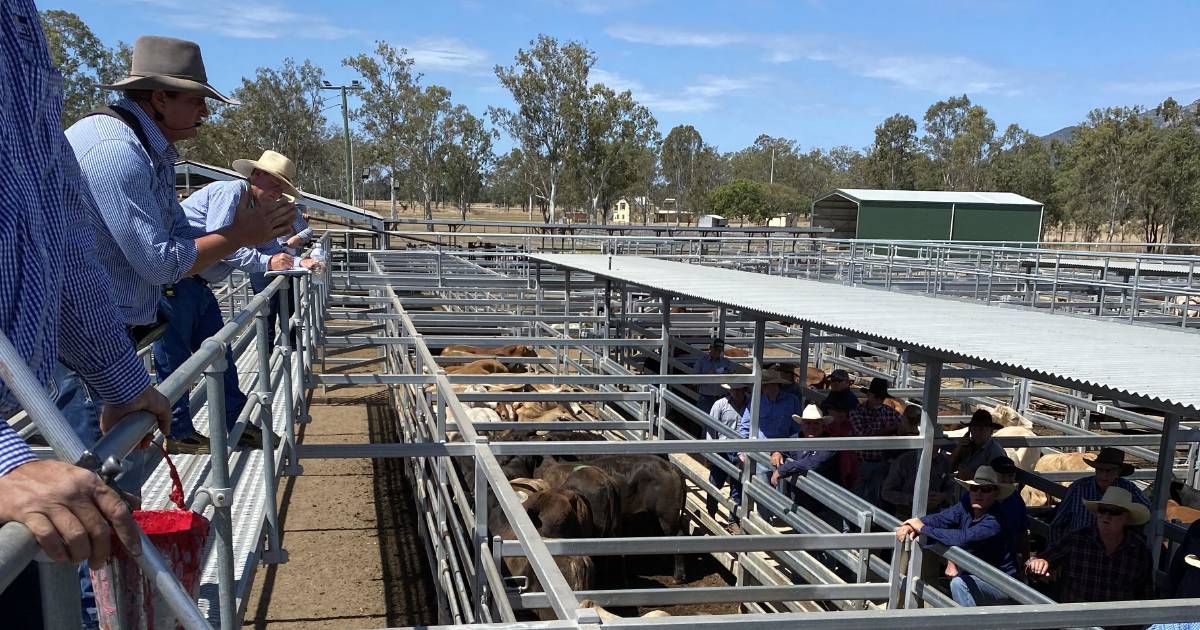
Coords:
897,489
974,526
870,420
127,155
727,412
840,395
193,312
1072,513
714,362
977,447
1107,560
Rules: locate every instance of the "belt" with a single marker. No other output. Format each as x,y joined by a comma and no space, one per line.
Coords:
146,334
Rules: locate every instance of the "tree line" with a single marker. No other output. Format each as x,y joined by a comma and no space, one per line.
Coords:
579,146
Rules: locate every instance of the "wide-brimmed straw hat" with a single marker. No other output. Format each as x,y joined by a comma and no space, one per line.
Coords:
773,377
986,476
1121,498
1111,457
272,163
166,63
811,412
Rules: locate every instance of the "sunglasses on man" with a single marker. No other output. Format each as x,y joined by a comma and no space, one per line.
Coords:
983,489
1109,510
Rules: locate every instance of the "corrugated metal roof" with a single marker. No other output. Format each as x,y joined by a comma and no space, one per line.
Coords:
934,196
1155,366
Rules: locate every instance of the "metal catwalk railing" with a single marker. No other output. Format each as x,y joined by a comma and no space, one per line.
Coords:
284,372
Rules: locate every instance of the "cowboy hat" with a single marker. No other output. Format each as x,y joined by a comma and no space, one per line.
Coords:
1192,560
728,387
811,412
1109,456
878,386
982,417
166,63
772,377
275,164
986,476
1120,497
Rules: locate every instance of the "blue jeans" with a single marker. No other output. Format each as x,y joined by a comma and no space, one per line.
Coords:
968,590
870,480
259,282
717,477
193,315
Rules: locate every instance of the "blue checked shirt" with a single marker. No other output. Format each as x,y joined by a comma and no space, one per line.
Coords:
1073,515
143,237
55,301
212,208
299,228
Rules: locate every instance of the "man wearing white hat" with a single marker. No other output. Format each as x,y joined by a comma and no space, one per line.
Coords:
127,156
1106,561
193,312
977,529
812,425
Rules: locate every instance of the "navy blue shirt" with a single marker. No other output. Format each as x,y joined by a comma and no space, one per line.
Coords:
956,526
848,401
1012,514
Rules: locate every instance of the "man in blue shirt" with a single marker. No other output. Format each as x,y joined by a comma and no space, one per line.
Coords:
714,362
56,304
840,395
1072,513
775,410
193,311
977,529
128,162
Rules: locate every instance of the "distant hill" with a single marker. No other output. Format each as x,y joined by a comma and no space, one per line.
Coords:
1064,135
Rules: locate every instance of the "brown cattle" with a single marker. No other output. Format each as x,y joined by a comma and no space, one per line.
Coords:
736,353
482,366
896,404
542,412
595,485
814,377
1181,513
503,351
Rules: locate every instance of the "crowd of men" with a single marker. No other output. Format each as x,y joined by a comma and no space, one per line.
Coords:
98,259
1096,550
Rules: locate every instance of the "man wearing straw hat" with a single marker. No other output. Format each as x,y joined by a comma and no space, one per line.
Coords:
975,528
1072,513
1105,561
127,154
193,312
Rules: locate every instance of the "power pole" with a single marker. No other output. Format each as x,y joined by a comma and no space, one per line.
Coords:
772,165
354,85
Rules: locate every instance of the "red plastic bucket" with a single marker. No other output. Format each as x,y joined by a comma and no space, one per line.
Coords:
179,535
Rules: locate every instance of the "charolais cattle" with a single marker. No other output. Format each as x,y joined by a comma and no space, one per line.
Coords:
1054,462
482,366
1184,495
608,616
652,494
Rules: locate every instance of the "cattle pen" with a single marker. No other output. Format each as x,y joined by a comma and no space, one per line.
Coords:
1091,348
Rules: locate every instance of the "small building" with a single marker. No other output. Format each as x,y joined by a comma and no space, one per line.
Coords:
620,212
928,215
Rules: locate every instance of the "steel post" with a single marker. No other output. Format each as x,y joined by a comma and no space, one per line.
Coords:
291,464
929,413
1163,477
266,397
220,491
760,330
59,586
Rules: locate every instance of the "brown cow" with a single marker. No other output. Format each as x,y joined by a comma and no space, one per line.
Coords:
1181,514
503,351
595,485
543,412
482,366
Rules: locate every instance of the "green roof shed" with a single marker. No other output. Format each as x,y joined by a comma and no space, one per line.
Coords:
928,215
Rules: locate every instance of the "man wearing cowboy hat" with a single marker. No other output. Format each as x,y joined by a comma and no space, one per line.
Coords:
714,362
1072,512
727,412
1105,561
976,447
775,411
840,395
897,489
193,312
870,420
974,526
812,425
127,155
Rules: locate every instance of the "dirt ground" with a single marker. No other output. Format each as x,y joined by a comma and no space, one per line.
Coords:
356,560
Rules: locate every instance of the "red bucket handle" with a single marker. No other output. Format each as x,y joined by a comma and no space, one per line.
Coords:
176,483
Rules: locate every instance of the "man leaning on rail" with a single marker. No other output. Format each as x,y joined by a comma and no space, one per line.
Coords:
127,155
56,304
193,313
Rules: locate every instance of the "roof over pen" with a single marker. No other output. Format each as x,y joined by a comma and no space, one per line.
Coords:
933,196
1154,366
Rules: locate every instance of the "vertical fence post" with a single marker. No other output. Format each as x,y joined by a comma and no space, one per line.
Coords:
59,586
806,329
760,331
291,463
481,529
221,493
1163,476
929,414
266,398
664,366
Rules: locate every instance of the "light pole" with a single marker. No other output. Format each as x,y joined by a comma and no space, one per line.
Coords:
354,85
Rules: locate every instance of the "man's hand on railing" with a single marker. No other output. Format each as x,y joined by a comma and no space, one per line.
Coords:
149,400
68,510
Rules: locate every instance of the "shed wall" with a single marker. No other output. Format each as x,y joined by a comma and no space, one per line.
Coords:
903,221
997,223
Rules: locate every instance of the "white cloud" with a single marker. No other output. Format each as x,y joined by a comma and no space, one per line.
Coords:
246,19
448,54
941,74
598,7
615,81
703,95
671,37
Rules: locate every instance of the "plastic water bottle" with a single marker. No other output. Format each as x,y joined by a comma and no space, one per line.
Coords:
318,257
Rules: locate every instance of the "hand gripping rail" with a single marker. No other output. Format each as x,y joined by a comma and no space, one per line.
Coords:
17,544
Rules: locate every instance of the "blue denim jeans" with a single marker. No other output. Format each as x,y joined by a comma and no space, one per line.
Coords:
968,590
870,480
193,315
717,477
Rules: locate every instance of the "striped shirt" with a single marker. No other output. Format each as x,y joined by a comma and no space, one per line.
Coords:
212,208
142,235
55,301
300,228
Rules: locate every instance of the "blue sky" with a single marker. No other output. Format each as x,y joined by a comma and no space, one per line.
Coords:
821,72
